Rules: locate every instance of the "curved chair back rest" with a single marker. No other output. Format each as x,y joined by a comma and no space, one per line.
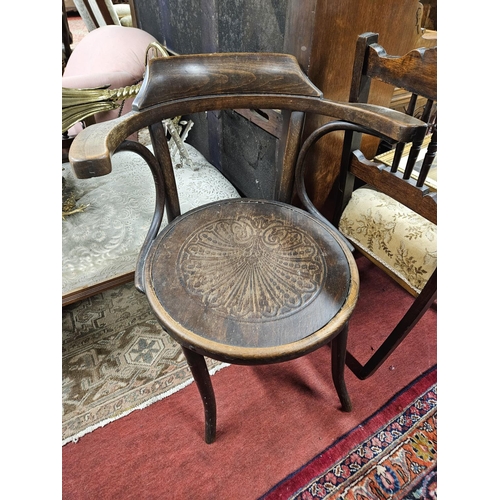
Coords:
194,83
183,85
221,75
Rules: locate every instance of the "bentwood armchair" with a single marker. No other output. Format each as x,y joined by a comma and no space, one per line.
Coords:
387,206
244,281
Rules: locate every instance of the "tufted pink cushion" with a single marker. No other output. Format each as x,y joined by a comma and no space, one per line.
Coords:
113,55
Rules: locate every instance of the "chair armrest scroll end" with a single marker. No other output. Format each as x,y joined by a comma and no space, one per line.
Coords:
89,154
88,168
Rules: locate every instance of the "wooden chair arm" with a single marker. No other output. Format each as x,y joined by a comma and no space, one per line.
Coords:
181,85
91,150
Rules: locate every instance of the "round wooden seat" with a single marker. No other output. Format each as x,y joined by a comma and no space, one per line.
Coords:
250,282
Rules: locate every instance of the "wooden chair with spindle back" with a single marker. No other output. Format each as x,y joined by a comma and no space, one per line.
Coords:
243,281
387,207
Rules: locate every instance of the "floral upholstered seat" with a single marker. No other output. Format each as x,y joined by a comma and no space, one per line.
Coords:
397,239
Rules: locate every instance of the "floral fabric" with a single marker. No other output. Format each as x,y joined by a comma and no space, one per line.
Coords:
401,240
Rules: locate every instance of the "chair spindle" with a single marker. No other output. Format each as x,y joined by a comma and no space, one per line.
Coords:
428,159
400,146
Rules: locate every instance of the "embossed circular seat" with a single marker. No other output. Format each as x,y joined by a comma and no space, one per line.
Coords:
250,282
251,275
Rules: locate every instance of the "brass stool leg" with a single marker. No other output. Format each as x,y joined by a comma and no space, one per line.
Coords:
201,376
339,348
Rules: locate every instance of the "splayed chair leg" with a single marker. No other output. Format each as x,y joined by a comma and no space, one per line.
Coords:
339,348
201,376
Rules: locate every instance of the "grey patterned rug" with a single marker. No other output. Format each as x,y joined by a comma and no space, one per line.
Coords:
116,359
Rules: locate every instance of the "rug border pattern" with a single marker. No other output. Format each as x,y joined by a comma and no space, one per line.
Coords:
301,479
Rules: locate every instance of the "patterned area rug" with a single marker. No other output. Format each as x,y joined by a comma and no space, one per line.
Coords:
392,455
116,359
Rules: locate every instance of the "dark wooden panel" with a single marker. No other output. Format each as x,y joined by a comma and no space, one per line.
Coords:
248,156
337,26
255,26
320,33
151,16
203,26
186,25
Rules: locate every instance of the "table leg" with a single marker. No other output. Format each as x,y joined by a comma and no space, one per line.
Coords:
339,348
196,363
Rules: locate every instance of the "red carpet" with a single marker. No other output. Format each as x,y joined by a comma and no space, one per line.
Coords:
271,419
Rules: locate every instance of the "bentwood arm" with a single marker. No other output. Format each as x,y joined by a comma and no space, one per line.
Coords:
188,84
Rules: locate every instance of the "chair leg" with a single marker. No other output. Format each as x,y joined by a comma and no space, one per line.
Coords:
196,363
415,312
339,348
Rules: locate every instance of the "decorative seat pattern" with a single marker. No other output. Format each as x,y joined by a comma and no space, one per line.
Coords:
265,275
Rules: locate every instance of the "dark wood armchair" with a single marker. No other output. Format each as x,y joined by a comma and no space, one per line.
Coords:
387,206
244,281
